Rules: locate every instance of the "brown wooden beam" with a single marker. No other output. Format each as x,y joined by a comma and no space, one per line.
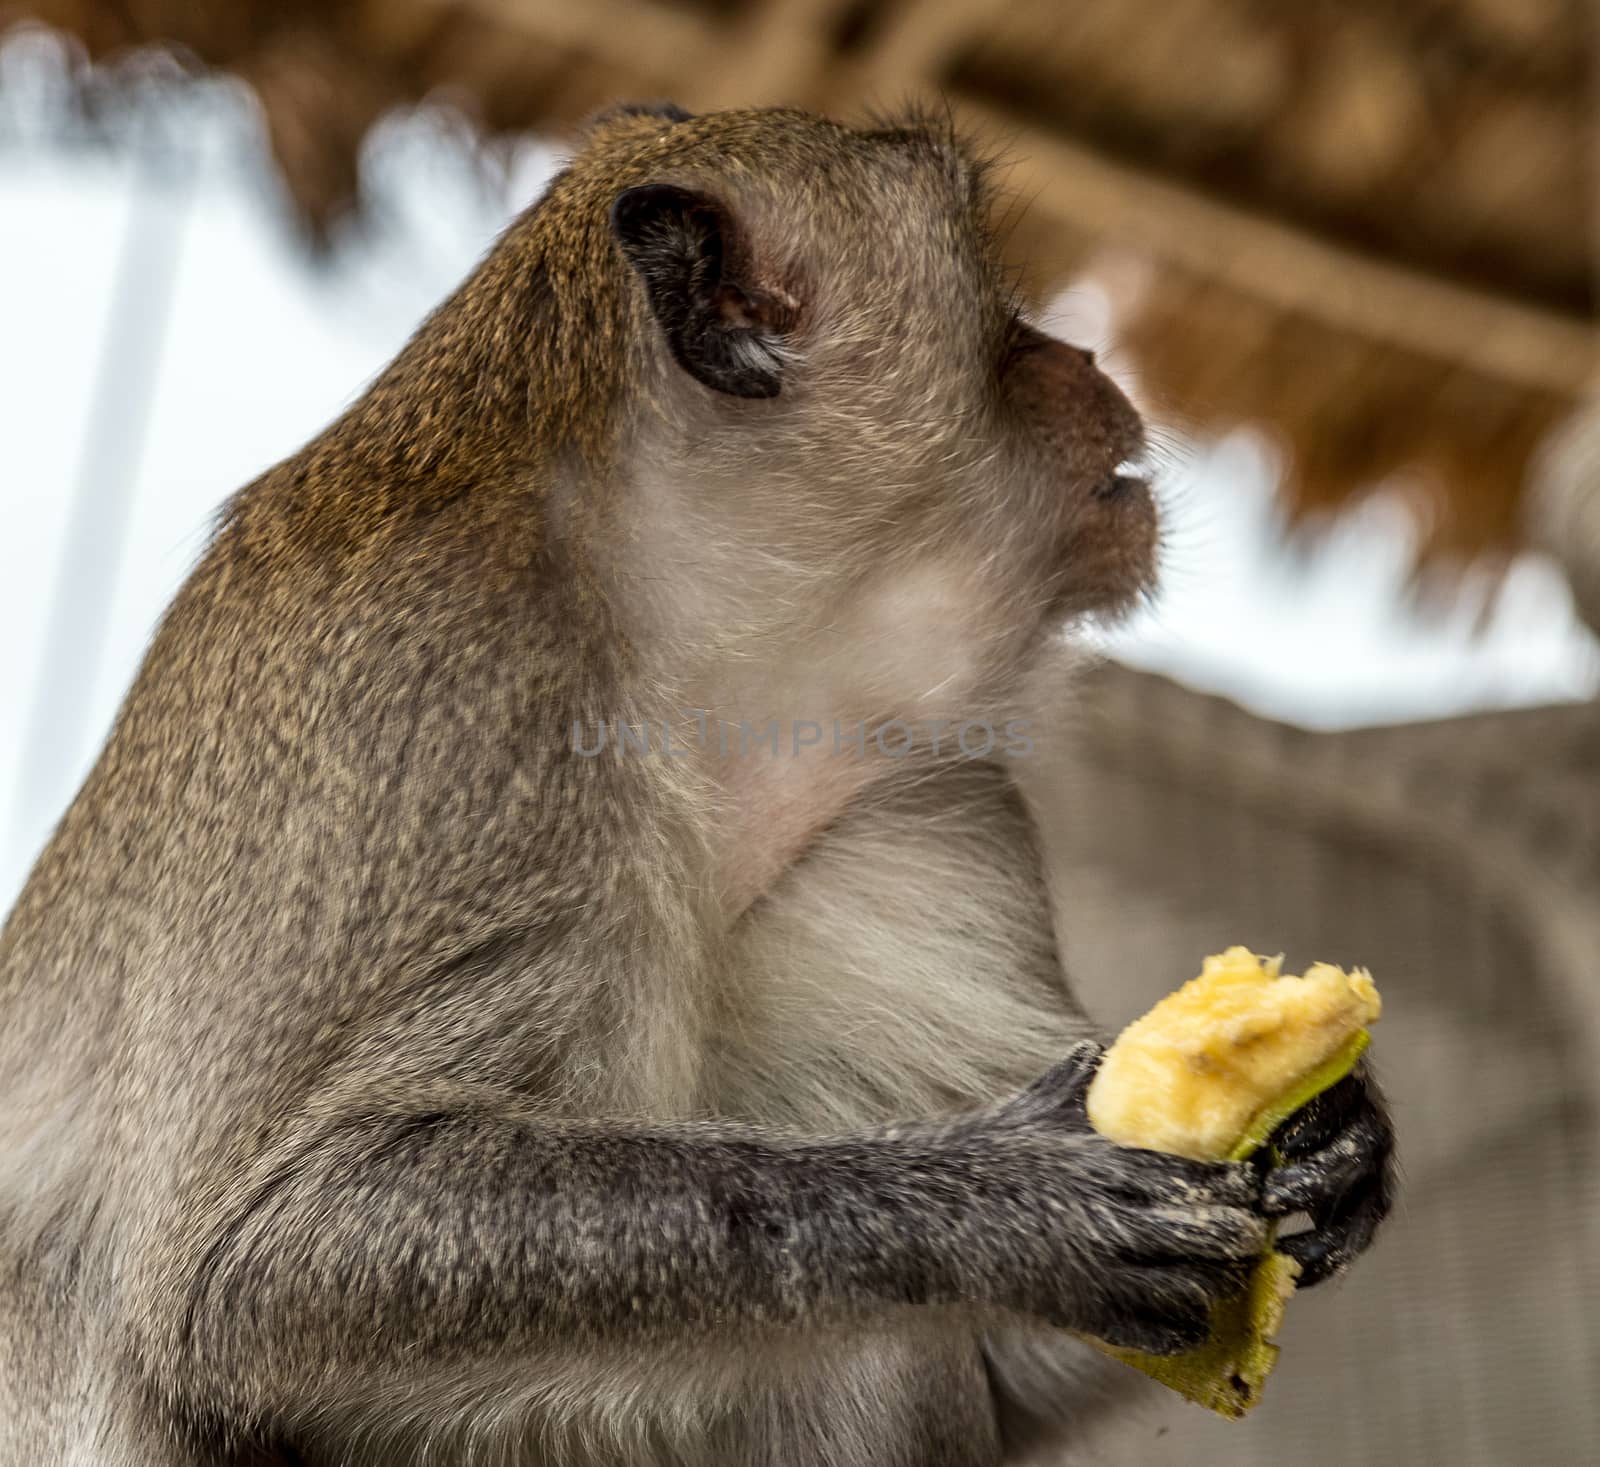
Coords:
770,59
1292,270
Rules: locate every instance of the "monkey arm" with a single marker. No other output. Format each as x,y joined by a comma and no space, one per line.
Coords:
421,1242
436,1238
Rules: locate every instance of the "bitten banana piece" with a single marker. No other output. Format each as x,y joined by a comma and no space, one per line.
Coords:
1210,1072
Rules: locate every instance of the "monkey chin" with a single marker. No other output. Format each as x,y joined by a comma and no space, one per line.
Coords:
1109,551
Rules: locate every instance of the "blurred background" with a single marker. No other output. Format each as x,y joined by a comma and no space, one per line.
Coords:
1344,252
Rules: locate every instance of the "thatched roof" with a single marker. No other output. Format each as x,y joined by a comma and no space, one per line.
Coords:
1371,222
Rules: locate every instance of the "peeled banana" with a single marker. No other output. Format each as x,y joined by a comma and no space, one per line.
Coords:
1209,1073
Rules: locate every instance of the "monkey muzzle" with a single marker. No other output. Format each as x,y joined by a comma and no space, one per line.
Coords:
1112,541
1092,442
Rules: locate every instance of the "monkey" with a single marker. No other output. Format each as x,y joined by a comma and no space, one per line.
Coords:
526,981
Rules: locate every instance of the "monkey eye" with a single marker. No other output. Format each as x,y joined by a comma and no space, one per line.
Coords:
1022,340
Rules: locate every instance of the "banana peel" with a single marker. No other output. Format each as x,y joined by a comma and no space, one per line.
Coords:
1210,1073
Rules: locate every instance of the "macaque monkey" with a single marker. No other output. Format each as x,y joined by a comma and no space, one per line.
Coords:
549,967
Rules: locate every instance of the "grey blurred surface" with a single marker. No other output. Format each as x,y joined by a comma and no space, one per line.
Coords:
1458,860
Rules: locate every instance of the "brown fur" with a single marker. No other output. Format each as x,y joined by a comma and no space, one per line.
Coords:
384,1081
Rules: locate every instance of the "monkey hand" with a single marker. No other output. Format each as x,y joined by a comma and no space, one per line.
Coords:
1132,1246
1333,1159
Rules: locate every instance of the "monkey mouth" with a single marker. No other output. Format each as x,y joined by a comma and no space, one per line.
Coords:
1113,540
1128,478
1132,474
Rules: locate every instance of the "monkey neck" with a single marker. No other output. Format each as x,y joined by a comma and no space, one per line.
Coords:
805,726
772,812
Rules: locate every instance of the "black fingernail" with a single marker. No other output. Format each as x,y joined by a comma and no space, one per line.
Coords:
1317,1256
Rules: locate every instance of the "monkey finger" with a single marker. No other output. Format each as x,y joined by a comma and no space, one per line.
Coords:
1221,1233
1321,1178
1328,1248
1162,1311
1060,1090
1138,1177
1319,1120
1157,1337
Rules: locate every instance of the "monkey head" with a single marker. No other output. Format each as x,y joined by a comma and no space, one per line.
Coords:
817,358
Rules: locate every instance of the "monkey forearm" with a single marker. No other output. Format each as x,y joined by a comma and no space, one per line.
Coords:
433,1238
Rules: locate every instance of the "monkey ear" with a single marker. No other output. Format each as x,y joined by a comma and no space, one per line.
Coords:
724,330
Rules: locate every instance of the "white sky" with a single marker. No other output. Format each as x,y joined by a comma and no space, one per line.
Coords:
261,350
